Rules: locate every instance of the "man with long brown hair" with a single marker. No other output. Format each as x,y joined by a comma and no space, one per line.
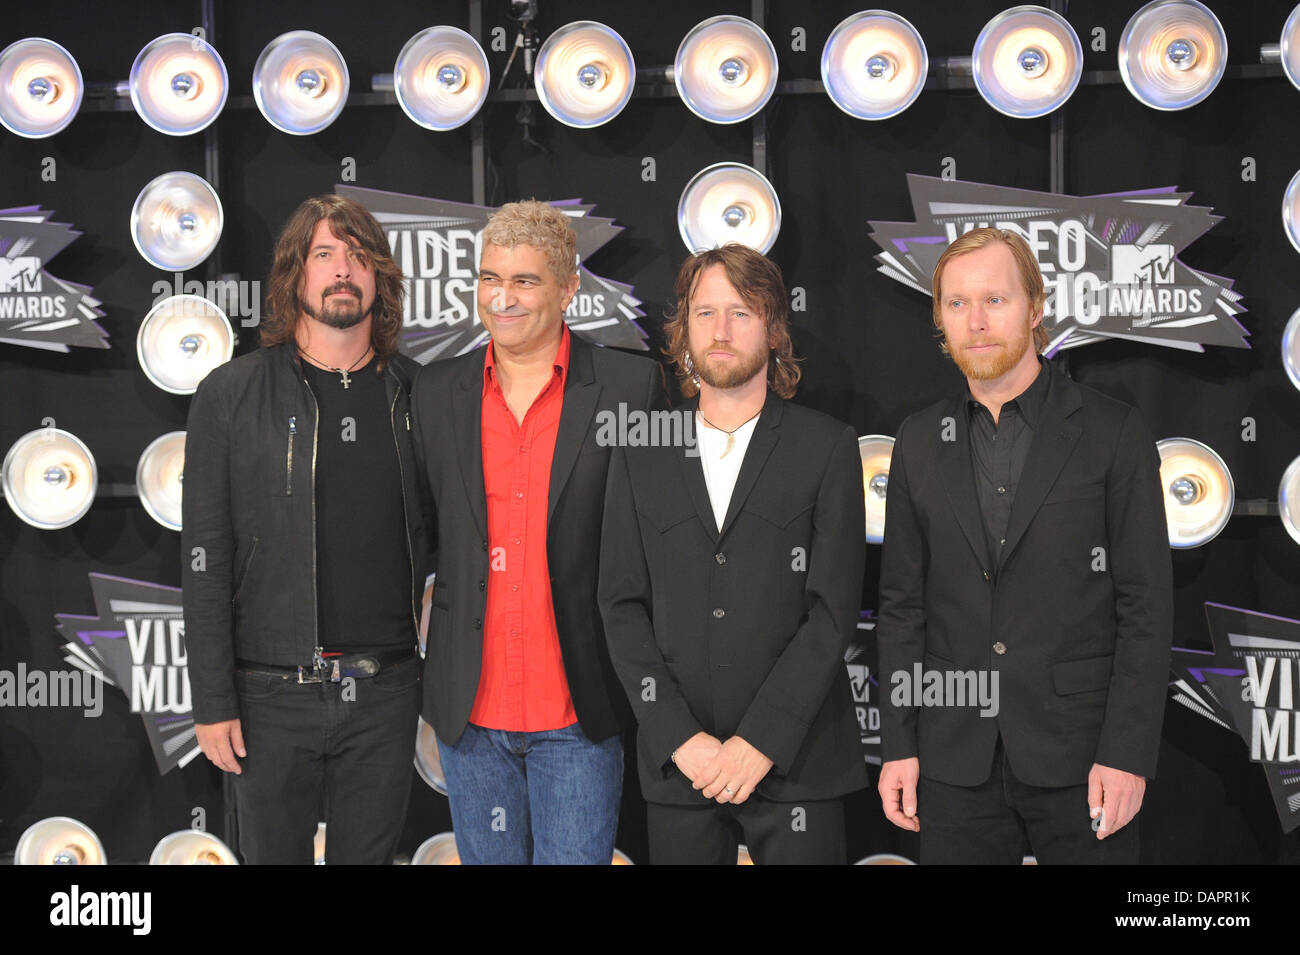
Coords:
304,552
731,574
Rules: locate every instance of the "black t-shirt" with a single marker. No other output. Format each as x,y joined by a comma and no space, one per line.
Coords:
363,568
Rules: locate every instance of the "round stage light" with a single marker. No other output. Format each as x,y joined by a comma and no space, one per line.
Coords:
728,202
178,84
59,840
300,82
191,847
1291,349
584,74
40,87
875,450
1027,62
50,478
176,221
441,78
1172,53
1198,491
1288,500
874,65
428,762
182,339
437,850
725,69
158,477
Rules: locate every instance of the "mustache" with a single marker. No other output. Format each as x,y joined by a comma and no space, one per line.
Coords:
513,311
342,287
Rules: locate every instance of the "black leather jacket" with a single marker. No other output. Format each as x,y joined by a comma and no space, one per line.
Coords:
249,519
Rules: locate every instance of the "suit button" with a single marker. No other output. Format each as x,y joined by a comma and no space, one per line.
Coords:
719,613
485,545
482,585
478,624
999,648
720,558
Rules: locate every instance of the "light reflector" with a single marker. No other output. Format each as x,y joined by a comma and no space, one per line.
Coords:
437,850
428,762
874,65
1198,491
725,69
1027,62
441,78
182,339
728,202
300,82
1172,53
584,74
1290,47
1288,500
59,840
192,847
40,87
178,84
50,478
876,451
176,221
158,477
1291,349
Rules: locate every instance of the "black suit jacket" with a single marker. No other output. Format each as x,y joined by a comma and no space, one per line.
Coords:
1080,604
448,441
741,632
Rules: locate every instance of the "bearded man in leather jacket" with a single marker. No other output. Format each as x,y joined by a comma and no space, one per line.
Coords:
303,552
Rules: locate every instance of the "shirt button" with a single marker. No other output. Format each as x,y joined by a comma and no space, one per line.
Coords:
719,613
516,540
1002,490
999,648
514,586
720,558
519,493
515,633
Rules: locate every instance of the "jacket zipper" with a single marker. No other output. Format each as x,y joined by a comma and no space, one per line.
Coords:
315,599
401,473
288,470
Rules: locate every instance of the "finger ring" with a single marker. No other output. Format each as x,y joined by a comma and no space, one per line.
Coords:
729,791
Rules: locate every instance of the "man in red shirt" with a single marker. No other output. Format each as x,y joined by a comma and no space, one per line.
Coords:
518,682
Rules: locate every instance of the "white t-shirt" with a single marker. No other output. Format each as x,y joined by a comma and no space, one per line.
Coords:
722,467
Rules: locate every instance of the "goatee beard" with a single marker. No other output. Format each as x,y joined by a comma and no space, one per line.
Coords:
342,314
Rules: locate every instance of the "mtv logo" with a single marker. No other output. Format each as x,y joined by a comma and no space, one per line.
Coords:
1142,265
20,274
860,681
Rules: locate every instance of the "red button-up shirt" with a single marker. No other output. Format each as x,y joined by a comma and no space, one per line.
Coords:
522,686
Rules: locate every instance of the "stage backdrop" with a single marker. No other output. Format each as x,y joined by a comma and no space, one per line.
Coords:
871,357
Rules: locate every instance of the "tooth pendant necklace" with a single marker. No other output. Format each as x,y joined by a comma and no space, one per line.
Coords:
731,435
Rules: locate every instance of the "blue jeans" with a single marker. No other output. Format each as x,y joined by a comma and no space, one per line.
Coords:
549,798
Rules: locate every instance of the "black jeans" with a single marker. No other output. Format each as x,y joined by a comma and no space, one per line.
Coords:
1002,820
342,752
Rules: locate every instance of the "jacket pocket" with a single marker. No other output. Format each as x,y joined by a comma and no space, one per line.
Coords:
243,570
1080,676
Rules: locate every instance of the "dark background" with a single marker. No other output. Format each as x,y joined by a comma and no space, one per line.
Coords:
871,357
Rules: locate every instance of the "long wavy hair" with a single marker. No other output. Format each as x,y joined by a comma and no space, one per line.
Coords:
758,280
348,220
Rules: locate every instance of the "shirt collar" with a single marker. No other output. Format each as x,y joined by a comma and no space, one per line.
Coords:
561,365
1029,403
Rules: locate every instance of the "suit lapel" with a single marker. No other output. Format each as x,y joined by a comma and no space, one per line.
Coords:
467,416
761,443
581,392
959,481
693,474
1054,441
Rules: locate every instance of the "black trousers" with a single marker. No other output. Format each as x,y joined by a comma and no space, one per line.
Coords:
1002,820
342,752
810,832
